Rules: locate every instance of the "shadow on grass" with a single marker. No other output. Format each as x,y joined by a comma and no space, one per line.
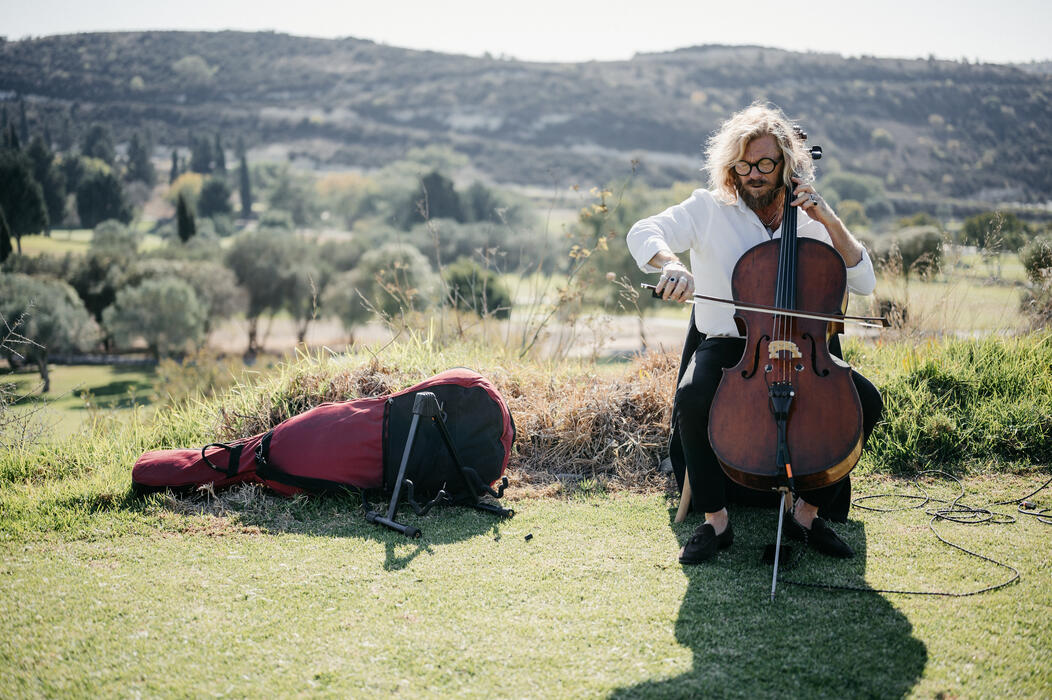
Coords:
807,643
123,393
329,515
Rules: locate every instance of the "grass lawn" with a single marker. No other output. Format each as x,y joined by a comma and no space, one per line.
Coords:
76,241
105,595
77,389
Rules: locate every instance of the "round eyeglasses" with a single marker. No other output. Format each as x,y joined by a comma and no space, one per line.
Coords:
764,165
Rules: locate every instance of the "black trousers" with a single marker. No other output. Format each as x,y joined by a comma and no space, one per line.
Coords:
697,387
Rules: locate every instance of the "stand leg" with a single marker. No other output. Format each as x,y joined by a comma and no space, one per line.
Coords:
425,404
784,506
684,499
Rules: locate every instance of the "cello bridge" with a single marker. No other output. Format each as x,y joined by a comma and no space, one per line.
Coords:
774,348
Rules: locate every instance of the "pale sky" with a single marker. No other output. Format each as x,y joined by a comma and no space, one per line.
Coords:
996,31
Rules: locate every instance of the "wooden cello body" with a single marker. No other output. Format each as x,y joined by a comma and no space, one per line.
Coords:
788,413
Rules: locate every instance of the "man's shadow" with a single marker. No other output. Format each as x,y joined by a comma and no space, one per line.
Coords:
806,643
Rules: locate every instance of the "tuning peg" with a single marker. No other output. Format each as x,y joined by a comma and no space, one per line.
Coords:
816,152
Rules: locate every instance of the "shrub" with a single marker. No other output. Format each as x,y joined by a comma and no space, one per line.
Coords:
1036,257
915,249
860,188
98,276
396,278
921,218
445,240
1037,303
342,300
113,235
471,287
853,213
202,374
214,198
879,208
994,231
188,186
277,220
101,197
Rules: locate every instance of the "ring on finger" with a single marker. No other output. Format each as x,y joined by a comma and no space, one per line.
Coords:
814,198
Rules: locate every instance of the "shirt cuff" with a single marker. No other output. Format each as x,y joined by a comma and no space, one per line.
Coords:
861,279
650,248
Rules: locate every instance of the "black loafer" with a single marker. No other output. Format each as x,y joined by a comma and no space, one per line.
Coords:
704,544
820,538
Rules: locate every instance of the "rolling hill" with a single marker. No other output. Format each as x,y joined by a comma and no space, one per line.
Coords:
925,128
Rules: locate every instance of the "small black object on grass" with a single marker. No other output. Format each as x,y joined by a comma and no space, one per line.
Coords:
529,537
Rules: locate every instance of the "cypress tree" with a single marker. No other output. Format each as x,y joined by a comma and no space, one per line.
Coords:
174,172
139,166
201,156
11,140
48,174
23,122
65,133
20,196
5,238
245,187
186,226
98,143
220,157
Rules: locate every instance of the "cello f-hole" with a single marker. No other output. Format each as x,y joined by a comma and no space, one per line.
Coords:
755,360
814,356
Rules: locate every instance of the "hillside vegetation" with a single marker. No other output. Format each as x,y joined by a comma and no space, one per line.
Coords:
924,127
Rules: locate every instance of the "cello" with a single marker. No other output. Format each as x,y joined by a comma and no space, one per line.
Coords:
815,436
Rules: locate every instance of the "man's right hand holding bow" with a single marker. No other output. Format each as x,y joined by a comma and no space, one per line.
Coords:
676,282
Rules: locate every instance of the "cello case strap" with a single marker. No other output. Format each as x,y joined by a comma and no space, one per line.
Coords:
233,458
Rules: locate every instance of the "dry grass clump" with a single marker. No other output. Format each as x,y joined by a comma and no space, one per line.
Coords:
303,386
574,422
611,427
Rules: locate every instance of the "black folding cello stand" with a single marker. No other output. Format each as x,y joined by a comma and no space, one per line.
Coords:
426,405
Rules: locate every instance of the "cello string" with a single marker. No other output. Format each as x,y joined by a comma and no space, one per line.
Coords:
788,278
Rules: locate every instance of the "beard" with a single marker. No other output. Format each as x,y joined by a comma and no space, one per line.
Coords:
757,202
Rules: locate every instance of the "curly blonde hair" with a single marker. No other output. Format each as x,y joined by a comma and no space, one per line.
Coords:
728,144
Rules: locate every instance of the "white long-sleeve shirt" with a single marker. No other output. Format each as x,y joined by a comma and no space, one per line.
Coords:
717,235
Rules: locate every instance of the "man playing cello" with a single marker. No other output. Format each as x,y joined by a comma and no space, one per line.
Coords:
750,160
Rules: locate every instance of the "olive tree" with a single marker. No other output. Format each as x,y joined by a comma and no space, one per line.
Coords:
275,270
212,282
164,312
50,317
343,301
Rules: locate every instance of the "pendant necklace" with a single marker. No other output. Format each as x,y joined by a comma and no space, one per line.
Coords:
767,224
